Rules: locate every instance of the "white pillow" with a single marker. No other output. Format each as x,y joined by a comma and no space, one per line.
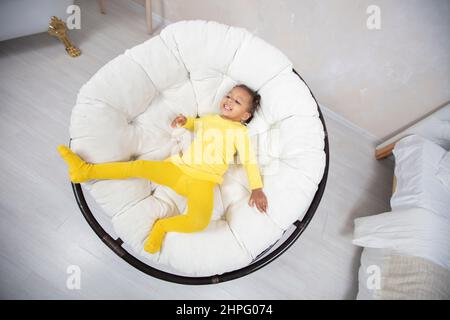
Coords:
443,171
414,232
416,162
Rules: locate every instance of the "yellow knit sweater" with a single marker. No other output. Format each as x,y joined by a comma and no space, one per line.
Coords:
216,142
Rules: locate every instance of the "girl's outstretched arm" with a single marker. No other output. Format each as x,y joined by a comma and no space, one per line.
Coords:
249,161
248,158
259,199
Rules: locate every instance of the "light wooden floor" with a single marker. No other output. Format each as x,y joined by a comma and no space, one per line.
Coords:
42,231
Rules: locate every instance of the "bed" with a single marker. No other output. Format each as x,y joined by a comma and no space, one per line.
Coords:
406,252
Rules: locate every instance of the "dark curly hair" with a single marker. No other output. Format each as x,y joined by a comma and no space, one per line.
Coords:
256,100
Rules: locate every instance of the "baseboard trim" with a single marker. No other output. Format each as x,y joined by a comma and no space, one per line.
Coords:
358,130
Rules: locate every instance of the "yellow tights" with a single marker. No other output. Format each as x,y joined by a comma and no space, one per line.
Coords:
199,193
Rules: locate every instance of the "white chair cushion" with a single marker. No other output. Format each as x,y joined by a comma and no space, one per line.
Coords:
124,113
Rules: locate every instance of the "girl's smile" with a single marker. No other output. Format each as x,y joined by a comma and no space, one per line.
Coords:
235,104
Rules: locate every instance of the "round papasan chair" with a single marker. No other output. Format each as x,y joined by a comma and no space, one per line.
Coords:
124,113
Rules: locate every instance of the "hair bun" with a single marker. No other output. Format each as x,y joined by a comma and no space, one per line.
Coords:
257,99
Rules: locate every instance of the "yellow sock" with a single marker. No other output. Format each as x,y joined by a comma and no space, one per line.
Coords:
154,241
78,168
152,247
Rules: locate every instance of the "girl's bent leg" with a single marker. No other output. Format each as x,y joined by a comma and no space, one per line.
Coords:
200,204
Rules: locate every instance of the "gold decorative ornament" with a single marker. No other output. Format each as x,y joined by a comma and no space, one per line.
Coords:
57,28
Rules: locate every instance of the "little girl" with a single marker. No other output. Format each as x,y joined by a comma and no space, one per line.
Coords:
195,173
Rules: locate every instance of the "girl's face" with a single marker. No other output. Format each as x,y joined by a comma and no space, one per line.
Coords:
235,103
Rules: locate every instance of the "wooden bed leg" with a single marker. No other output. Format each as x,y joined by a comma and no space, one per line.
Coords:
384,152
101,5
148,14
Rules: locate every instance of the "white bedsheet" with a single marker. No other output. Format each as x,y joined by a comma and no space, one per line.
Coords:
415,232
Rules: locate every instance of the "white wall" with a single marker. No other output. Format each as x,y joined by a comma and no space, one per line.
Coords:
380,80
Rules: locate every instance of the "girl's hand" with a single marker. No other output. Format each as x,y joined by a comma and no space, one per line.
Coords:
180,120
259,198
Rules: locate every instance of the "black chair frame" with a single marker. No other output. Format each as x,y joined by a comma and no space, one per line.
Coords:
259,262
